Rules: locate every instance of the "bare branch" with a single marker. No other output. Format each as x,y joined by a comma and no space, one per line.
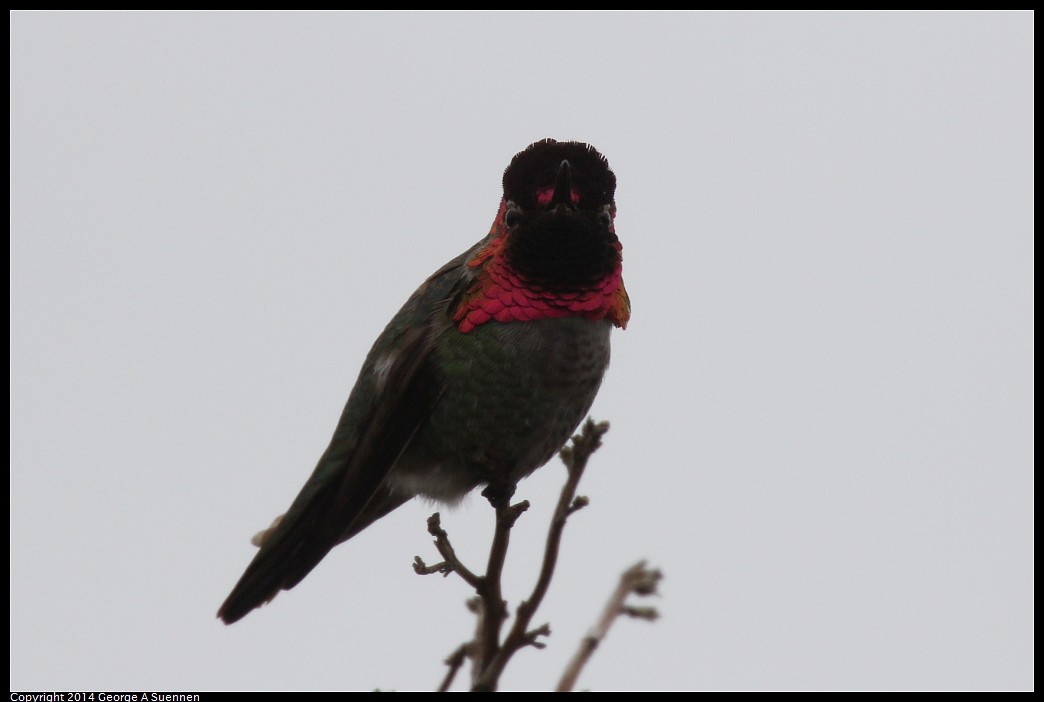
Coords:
454,661
637,580
575,457
489,655
452,564
422,568
494,609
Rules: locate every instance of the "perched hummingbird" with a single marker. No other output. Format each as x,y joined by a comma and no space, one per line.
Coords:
481,376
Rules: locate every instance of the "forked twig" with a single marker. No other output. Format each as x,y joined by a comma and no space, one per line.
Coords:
637,580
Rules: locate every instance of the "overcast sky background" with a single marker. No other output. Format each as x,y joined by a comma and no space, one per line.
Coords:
822,410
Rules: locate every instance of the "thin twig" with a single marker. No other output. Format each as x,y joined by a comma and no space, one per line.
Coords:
452,564
636,580
454,661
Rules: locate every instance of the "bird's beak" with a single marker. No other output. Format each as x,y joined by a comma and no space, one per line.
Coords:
563,194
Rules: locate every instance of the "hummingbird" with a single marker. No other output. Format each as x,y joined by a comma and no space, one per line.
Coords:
479,379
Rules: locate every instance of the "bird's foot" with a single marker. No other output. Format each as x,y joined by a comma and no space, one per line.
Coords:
499,493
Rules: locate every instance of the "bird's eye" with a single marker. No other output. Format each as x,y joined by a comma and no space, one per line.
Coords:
512,216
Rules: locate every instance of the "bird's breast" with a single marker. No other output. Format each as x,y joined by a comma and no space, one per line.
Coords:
512,393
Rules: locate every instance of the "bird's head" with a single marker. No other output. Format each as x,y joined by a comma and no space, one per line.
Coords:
558,213
552,250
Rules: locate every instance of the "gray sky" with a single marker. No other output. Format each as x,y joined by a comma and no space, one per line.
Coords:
822,408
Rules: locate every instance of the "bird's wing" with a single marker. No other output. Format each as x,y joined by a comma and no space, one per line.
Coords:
396,391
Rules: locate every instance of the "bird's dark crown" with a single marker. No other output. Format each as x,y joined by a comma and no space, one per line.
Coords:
529,179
